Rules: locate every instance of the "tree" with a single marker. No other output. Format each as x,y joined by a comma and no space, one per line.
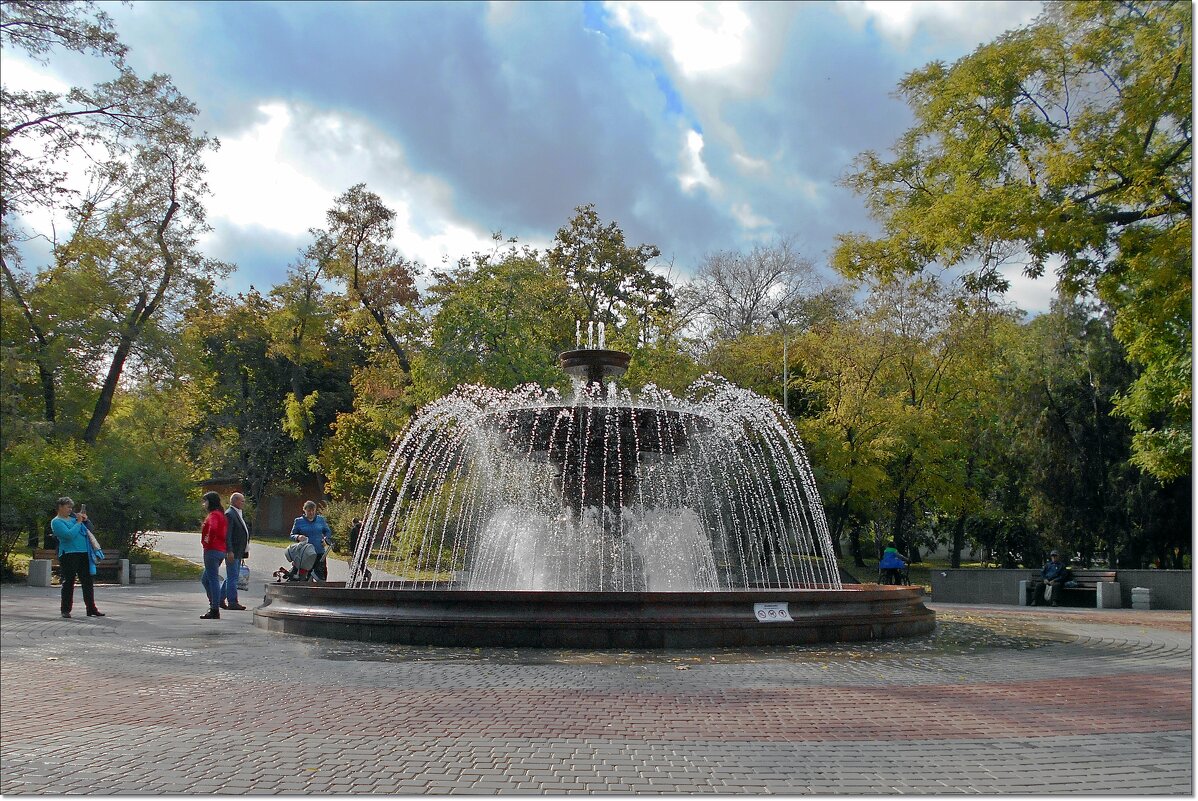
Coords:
501,319
134,224
1068,140
734,293
611,280
357,250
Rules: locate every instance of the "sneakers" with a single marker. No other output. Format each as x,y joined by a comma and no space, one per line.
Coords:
212,614
66,615
94,613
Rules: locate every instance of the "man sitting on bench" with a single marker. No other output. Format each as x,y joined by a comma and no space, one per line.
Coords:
1054,575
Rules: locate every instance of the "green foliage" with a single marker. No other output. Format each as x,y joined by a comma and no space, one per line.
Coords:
501,320
126,489
1066,141
610,280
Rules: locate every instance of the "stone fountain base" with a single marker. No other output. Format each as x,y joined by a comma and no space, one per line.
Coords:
487,618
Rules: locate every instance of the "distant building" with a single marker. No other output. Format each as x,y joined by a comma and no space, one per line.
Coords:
278,507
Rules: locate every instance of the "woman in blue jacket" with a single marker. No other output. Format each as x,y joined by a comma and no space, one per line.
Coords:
72,535
317,531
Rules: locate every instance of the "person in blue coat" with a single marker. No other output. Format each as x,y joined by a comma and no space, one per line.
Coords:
1054,574
892,565
314,527
73,547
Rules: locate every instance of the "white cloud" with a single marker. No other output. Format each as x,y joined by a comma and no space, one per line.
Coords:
251,181
282,174
701,38
694,171
899,21
743,213
28,76
1033,295
748,164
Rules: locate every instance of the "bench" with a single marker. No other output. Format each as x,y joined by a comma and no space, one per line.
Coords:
109,565
1094,588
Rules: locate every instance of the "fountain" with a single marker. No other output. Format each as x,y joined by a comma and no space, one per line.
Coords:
598,520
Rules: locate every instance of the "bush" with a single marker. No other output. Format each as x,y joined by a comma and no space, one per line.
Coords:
340,516
126,489
33,475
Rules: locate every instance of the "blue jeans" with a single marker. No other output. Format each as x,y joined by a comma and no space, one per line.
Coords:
210,578
232,573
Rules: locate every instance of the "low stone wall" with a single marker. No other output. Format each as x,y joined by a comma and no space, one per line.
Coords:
1171,589
990,586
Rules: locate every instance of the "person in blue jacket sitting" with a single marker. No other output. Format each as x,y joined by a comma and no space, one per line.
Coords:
1054,575
892,565
314,527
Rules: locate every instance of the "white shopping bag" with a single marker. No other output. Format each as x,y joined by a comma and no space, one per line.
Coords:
243,580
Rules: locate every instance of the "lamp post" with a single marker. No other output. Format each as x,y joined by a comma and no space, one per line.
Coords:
785,363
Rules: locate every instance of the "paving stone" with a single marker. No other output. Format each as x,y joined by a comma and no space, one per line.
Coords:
392,720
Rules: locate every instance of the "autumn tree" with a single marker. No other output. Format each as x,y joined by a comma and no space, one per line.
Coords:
134,221
734,292
611,280
1070,141
356,250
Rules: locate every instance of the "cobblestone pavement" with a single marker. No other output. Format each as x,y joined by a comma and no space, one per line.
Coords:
153,700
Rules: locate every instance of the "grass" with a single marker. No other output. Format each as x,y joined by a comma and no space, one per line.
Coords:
919,574
162,567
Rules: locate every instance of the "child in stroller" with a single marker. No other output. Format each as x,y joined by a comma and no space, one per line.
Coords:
302,557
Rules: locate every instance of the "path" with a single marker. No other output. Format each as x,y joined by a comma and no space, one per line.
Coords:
264,559
998,700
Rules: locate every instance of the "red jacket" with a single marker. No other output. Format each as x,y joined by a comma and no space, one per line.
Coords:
212,533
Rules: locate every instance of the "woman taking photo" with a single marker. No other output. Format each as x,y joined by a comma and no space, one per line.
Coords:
72,535
213,541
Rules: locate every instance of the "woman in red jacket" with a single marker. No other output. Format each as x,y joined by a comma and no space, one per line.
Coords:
212,538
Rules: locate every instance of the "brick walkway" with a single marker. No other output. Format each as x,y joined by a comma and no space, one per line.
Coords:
998,700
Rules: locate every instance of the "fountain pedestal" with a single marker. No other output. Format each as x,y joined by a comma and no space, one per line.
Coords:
493,618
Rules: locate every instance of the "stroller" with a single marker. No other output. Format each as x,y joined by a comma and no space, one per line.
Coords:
303,558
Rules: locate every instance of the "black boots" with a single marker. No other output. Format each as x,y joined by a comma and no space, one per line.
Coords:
213,614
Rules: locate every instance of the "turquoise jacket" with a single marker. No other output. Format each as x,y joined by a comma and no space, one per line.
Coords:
71,534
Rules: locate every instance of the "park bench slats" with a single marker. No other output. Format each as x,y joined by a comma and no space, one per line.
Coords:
110,564
1086,591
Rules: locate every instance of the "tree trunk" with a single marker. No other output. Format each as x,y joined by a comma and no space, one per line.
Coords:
104,402
898,531
134,324
855,546
958,540
396,348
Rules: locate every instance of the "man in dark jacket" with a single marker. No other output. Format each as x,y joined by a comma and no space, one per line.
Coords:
238,543
1054,574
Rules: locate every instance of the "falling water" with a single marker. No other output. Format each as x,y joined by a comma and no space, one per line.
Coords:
601,491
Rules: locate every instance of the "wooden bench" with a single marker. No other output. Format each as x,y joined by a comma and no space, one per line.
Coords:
109,565
1094,588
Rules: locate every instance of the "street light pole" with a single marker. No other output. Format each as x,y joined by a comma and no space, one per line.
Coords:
785,364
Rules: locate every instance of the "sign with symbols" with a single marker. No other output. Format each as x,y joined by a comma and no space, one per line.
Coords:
778,612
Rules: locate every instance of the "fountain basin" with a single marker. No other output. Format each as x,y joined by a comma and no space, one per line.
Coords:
505,618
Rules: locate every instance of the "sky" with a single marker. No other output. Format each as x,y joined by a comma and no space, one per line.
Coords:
698,127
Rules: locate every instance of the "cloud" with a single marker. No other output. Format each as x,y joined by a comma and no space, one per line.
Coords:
694,172
697,127
276,179
953,22
701,38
